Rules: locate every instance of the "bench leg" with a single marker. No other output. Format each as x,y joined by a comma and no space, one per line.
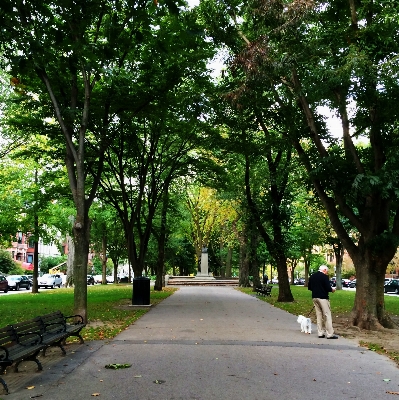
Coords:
31,358
58,344
81,341
76,334
3,367
3,382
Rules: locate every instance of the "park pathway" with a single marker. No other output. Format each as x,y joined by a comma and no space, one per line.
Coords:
211,343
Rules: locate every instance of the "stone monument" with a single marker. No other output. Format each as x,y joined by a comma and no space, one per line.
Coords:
203,273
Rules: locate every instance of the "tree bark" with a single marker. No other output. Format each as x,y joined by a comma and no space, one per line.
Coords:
70,261
81,232
369,311
243,280
104,258
228,261
160,272
35,288
339,256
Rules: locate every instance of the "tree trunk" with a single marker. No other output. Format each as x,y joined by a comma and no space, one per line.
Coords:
104,259
132,253
284,292
253,257
160,268
306,262
81,231
35,288
243,279
339,256
70,261
369,311
294,264
115,261
221,263
228,261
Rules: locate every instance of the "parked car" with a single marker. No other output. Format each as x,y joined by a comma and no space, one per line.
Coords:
3,284
353,284
90,280
98,278
299,281
392,286
110,278
346,282
49,281
16,282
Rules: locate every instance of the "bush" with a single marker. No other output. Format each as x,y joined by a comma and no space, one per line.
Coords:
49,262
348,273
7,264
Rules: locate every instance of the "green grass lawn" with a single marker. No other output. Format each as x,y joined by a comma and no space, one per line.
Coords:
341,301
106,316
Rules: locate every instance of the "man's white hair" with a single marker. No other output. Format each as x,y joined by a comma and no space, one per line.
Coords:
323,268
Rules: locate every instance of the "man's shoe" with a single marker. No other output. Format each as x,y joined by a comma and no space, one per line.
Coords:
322,336
332,337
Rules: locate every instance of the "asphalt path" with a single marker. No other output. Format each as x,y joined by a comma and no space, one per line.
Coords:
213,343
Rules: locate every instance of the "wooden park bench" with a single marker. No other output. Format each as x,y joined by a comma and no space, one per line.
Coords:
24,340
264,290
15,348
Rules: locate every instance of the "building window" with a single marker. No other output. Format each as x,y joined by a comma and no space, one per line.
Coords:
29,258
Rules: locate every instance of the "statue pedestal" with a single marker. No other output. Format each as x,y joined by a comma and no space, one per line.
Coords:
204,274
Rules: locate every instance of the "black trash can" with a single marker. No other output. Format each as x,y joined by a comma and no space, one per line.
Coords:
141,291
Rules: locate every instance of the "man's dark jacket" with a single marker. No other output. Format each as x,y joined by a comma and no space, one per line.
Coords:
320,286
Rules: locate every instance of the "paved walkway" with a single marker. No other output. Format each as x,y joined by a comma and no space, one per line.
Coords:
210,343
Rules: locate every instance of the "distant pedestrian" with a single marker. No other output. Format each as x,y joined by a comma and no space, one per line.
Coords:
320,286
265,279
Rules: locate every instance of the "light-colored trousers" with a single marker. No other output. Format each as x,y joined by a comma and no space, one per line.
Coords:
323,314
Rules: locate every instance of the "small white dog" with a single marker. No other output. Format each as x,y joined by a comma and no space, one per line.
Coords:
306,324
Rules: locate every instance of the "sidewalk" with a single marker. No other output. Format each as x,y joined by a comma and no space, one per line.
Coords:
210,343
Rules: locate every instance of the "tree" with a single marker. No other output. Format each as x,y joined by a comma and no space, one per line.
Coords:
79,58
310,228
339,55
107,238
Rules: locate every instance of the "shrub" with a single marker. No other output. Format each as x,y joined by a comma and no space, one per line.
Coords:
7,264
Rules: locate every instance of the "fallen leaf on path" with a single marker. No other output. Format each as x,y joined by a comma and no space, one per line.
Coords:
30,387
386,380
158,381
117,366
96,394
391,392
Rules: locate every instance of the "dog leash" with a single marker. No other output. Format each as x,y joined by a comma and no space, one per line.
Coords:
310,312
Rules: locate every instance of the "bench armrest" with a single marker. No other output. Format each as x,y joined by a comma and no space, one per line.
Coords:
7,354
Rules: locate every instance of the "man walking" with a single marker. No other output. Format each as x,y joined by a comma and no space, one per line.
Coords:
320,286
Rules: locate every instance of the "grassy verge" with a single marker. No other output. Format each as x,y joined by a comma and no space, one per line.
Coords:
106,314
393,355
341,301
